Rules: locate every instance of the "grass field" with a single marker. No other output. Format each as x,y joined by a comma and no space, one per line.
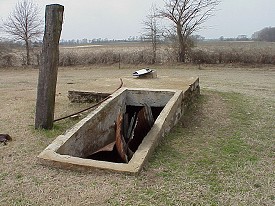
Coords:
221,153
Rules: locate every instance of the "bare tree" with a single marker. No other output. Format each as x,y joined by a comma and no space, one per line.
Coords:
152,31
187,17
24,24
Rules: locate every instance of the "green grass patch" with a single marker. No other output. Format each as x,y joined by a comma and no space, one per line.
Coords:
58,128
211,157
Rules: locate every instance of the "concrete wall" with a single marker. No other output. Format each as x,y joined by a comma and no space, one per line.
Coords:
152,98
97,130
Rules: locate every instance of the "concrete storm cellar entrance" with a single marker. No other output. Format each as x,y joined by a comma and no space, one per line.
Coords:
122,132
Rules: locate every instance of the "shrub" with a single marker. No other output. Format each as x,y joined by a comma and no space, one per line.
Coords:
68,59
8,60
232,56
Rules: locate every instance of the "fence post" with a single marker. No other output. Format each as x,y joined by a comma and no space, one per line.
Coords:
49,65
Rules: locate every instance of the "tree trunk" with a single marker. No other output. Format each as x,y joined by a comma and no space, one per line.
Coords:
28,52
182,45
49,64
154,45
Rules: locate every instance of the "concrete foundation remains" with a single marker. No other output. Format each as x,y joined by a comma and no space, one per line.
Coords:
97,130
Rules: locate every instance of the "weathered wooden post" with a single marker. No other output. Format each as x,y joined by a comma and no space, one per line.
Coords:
49,65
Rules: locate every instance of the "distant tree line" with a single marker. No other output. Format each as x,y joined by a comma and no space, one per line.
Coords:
266,34
86,41
238,38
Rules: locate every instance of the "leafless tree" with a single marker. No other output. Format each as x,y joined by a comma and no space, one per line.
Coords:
187,16
24,24
152,30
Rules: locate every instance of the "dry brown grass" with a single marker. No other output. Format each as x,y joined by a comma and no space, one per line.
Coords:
185,169
250,53
245,53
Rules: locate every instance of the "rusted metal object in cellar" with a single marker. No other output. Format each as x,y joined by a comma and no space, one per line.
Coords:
130,134
144,122
120,141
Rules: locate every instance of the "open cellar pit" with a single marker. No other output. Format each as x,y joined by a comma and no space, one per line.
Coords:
121,134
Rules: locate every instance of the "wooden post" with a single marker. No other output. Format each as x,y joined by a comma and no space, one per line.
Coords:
49,65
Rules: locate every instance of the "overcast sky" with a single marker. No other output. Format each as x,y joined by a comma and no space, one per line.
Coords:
119,19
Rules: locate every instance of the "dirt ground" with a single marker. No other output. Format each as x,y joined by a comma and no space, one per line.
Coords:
20,175
18,87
